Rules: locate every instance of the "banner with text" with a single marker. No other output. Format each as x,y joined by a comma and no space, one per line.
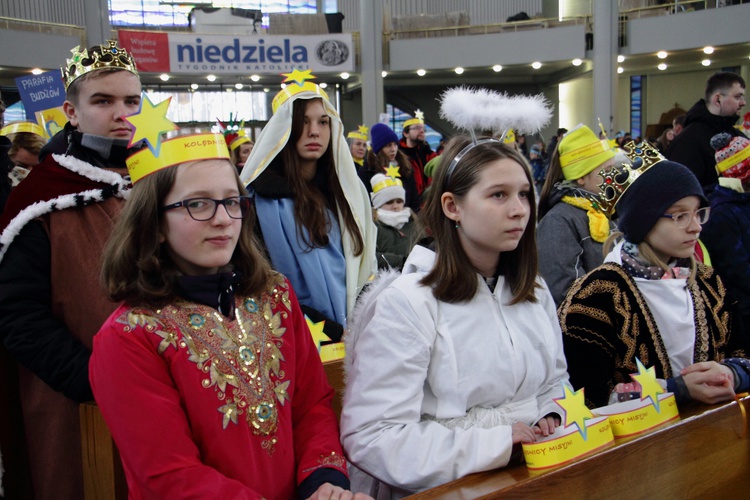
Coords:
237,54
41,92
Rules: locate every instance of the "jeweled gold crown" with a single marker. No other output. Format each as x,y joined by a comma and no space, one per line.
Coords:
618,179
107,55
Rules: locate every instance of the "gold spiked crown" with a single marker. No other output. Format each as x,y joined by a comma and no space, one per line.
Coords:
107,55
618,179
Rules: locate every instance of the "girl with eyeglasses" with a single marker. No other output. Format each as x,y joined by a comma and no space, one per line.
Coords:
207,374
651,300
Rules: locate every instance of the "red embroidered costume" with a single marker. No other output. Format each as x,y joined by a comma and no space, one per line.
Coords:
207,407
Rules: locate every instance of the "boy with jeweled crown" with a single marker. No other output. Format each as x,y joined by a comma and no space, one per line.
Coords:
54,228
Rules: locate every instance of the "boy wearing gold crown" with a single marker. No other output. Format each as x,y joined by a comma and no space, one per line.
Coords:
414,146
54,228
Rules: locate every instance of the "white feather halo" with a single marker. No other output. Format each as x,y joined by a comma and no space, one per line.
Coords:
481,109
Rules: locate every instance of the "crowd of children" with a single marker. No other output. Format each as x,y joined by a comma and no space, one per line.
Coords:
176,282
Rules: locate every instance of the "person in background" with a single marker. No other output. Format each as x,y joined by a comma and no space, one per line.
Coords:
428,351
538,168
53,231
385,158
357,140
717,112
678,124
571,230
314,214
664,140
196,293
727,233
555,139
651,300
27,140
239,144
416,148
395,222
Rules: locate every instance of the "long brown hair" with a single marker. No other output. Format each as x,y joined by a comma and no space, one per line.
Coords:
379,162
312,198
453,276
136,267
554,175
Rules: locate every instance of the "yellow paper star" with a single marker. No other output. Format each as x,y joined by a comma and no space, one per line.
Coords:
363,130
392,171
299,77
575,408
650,388
150,122
316,329
419,115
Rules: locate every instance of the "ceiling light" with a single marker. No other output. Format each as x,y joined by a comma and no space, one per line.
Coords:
164,77
323,85
497,68
344,75
255,78
266,90
194,86
421,72
238,86
620,70
211,78
620,59
384,74
536,65
36,71
661,54
706,62
708,50
662,67
229,89
283,85
577,62
459,70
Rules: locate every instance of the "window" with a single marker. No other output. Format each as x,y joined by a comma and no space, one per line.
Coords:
636,104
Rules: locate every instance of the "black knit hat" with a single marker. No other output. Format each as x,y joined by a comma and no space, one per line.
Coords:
651,194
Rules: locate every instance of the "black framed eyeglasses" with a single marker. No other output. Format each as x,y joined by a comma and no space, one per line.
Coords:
683,219
203,209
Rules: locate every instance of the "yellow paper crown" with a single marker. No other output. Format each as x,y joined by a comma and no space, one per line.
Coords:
107,55
234,132
18,127
300,85
387,182
418,119
619,179
360,133
581,151
510,136
181,149
149,123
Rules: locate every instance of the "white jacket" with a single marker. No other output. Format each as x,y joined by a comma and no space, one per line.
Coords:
412,359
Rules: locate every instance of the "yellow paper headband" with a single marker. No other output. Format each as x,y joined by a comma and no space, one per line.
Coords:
18,127
194,147
387,182
360,133
300,85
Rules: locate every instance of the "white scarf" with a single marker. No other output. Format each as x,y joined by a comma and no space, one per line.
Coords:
394,219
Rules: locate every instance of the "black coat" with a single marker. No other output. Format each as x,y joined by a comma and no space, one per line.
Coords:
692,147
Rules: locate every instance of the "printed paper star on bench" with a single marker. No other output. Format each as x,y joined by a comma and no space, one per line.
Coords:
316,329
150,122
575,408
650,388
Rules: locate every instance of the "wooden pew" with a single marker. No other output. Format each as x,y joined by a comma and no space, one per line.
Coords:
103,475
706,454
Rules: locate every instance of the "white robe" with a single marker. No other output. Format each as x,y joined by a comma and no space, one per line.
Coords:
412,359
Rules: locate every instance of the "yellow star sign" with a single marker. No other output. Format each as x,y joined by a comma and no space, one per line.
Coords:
650,388
299,77
363,130
419,115
392,171
575,408
150,122
316,329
